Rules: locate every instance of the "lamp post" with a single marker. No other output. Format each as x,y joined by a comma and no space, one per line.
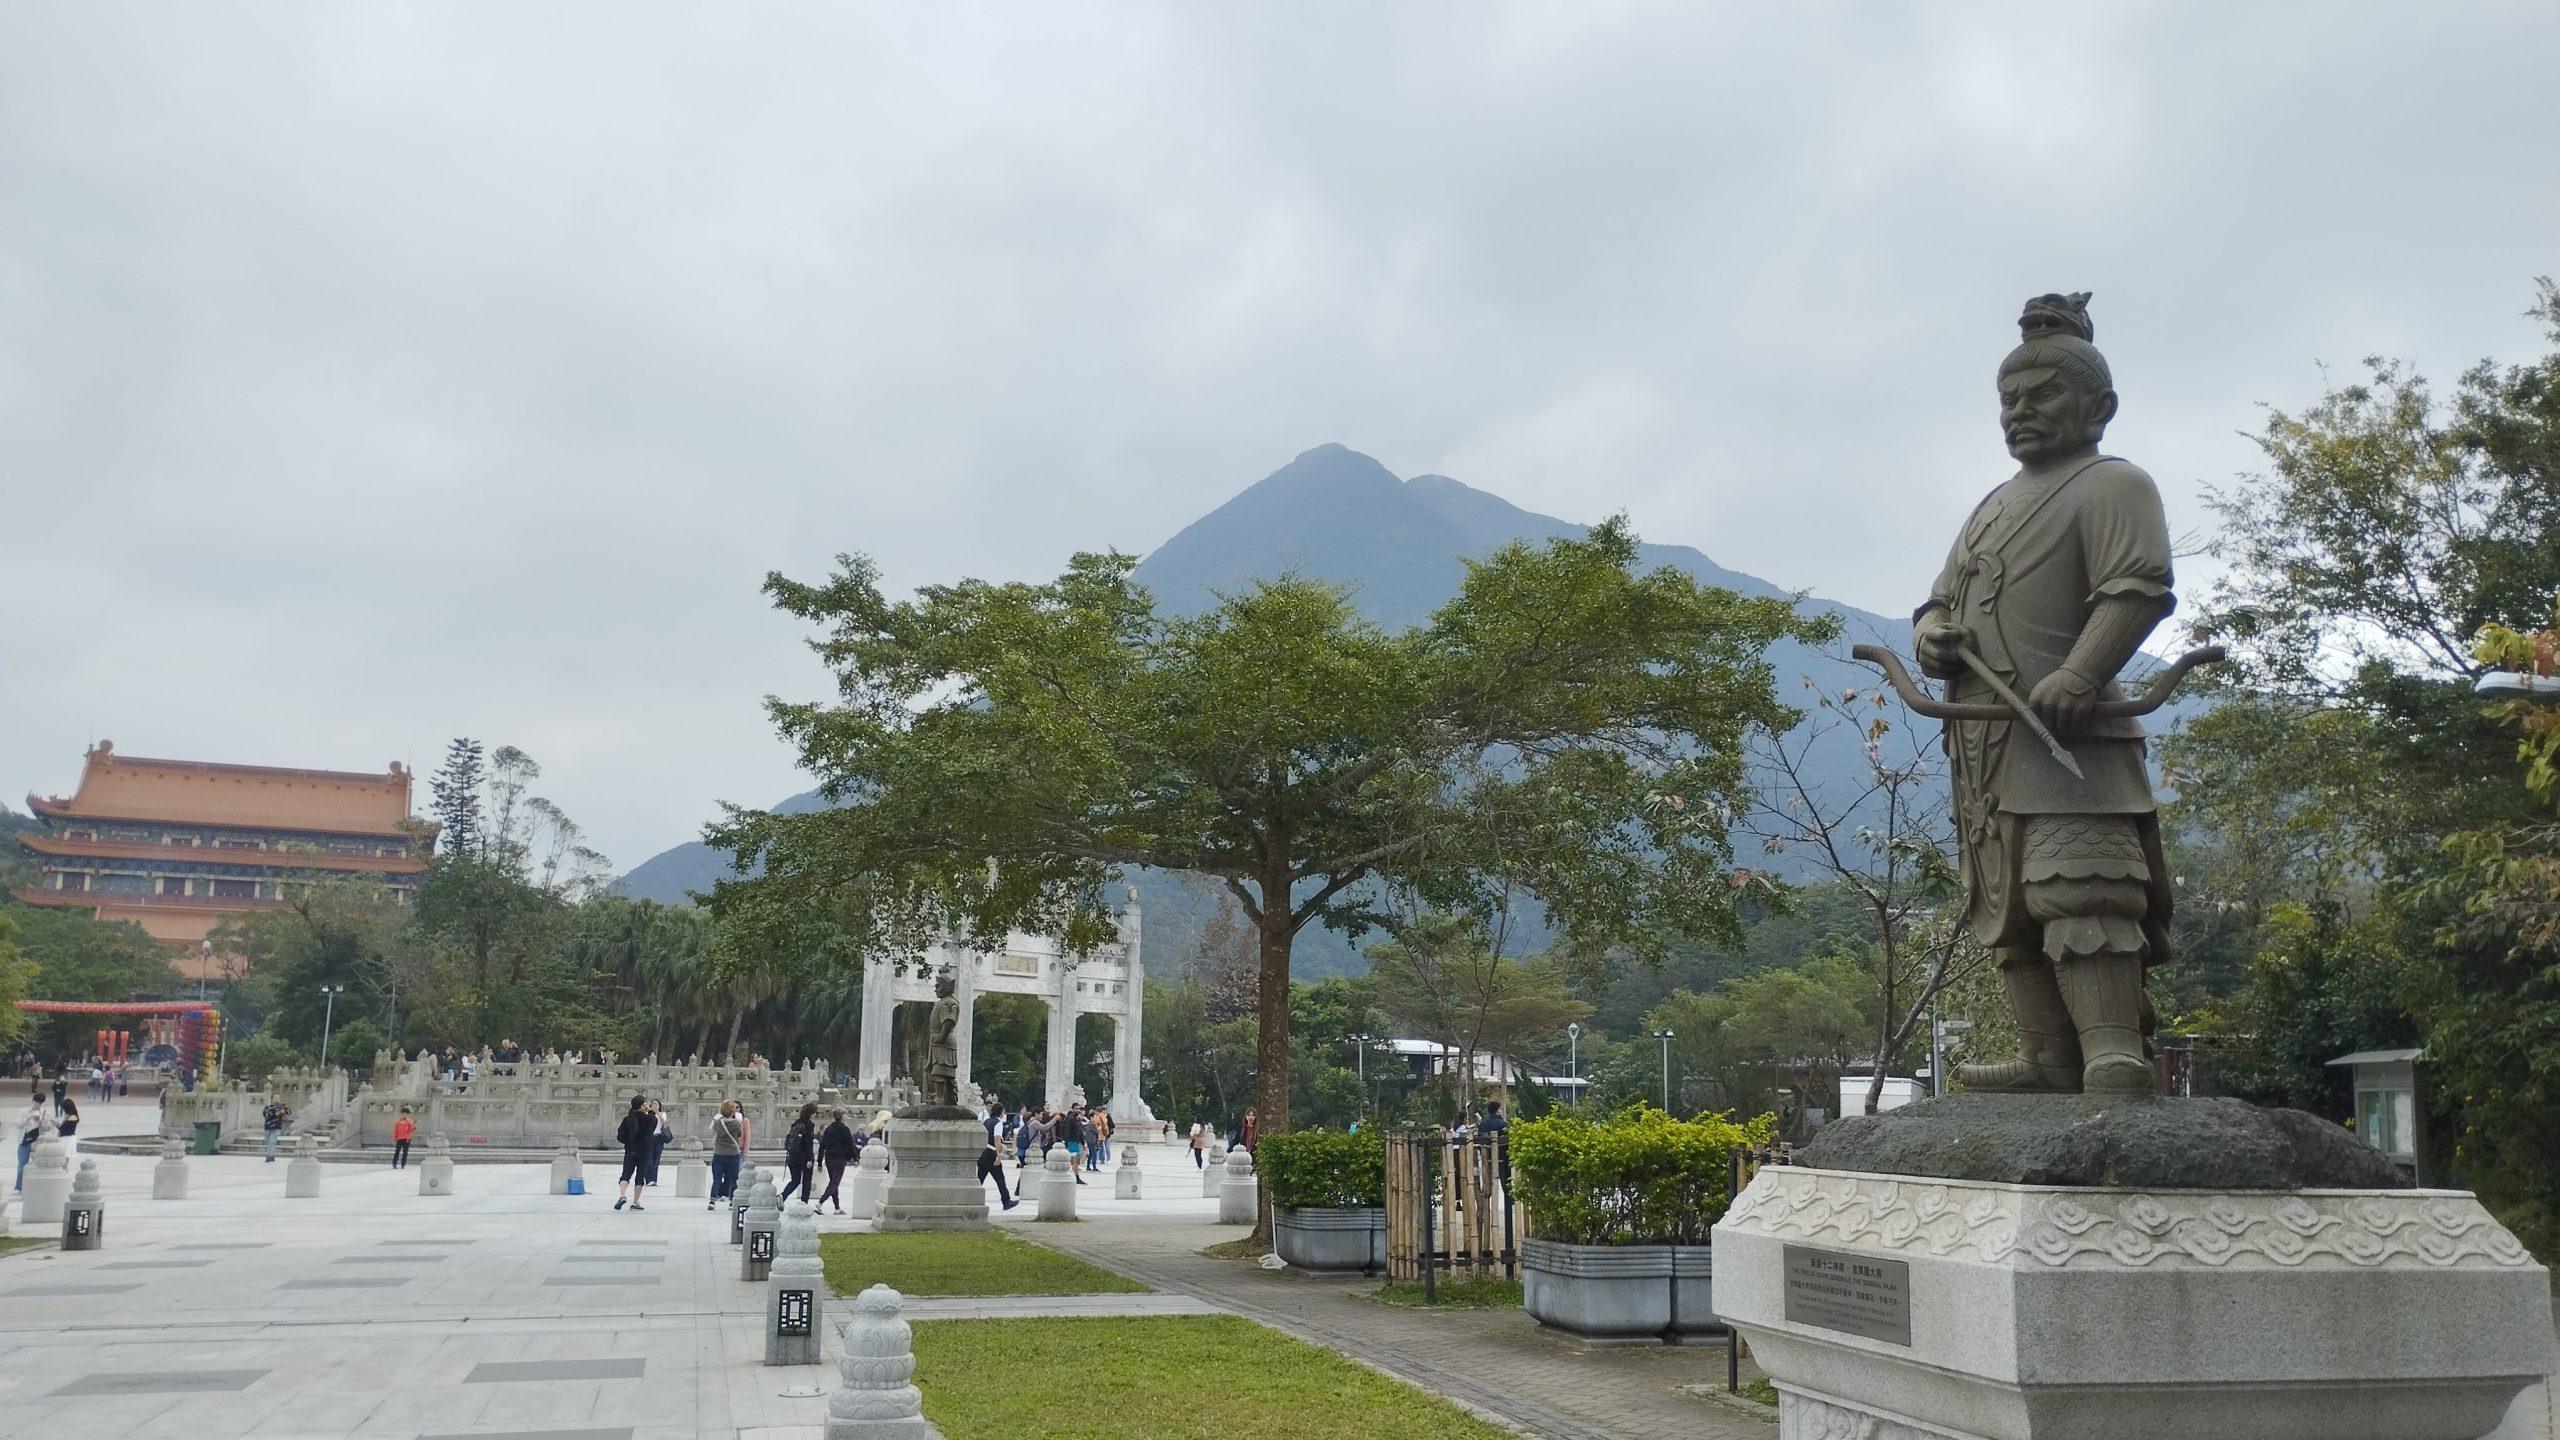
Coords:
1573,1058
328,1019
1665,1037
204,967
1360,1059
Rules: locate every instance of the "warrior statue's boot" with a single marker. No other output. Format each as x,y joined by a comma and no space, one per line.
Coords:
2048,1044
2085,885
2104,992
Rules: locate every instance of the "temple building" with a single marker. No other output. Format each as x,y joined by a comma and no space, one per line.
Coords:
176,846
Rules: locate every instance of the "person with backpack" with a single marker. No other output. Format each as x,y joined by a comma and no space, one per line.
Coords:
838,1149
403,1130
800,1153
272,1121
657,1142
637,1133
728,1152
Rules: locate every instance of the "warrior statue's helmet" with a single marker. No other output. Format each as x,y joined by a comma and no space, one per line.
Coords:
2056,333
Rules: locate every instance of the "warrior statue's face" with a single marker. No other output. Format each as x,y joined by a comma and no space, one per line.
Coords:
2045,417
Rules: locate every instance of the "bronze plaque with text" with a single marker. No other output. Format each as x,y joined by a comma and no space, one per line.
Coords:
1853,1294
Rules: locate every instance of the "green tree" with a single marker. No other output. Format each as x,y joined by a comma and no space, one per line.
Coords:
1002,752
457,798
15,971
1441,979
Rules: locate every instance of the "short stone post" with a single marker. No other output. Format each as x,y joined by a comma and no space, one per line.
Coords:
302,1172
693,1173
1057,1186
48,1185
567,1166
870,1177
84,1213
1214,1174
764,1222
169,1177
1240,1198
749,1176
873,1398
435,1173
792,1332
1124,1178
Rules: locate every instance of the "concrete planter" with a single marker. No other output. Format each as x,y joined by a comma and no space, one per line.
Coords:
1620,1293
1332,1239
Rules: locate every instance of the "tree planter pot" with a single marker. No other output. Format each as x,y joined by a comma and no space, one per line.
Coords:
1620,1294
1330,1239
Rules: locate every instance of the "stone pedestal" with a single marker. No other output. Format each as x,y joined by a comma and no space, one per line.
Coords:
1057,1192
874,1398
693,1173
435,1173
47,1186
1893,1307
935,1184
739,1200
1124,1176
795,1301
84,1211
302,1172
1214,1174
566,1165
870,1177
763,1232
169,1177
1240,1197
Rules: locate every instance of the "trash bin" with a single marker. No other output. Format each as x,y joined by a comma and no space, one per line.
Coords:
208,1137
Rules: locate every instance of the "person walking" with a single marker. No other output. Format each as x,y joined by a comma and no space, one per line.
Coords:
272,1122
728,1152
33,1125
991,1167
837,1148
1199,1146
403,1130
800,1153
1246,1130
1098,1154
637,1134
663,1133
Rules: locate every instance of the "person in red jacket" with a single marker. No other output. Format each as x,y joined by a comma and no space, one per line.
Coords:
403,1130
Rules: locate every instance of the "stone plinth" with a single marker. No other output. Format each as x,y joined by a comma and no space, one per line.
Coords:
763,1231
1124,1176
1240,1196
169,1177
84,1211
1214,1174
302,1172
875,1397
693,1172
795,1303
566,1165
1901,1308
1057,1193
47,1186
935,1184
435,1173
870,1177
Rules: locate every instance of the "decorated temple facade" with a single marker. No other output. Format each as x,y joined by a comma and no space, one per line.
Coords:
176,846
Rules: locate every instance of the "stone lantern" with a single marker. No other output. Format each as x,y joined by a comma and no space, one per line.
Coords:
84,1213
169,1177
1240,1198
763,1227
793,1332
1057,1186
1124,1178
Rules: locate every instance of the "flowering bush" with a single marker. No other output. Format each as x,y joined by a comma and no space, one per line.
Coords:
1318,1169
1638,1177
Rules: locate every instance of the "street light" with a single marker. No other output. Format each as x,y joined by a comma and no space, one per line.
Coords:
2516,685
204,968
328,1018
1573,1058
1665,1037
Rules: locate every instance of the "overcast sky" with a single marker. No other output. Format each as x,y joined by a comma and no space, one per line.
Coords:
373,374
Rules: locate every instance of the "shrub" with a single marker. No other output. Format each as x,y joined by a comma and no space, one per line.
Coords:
1638,1177
254,1058
1322,1169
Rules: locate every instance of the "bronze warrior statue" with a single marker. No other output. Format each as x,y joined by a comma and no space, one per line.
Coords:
2051,587
942,1046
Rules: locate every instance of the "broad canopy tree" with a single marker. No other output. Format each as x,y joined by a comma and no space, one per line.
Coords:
1001,753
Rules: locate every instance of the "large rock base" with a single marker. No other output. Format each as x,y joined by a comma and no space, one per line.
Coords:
933,1180
1900,1308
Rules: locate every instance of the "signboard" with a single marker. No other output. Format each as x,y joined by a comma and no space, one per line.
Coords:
1854,1294
760,1244
796,1306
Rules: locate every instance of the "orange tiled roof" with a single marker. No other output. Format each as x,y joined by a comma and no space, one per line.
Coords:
210,854
199,792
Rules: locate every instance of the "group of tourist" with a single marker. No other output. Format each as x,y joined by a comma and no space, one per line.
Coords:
56,1118
1239,1135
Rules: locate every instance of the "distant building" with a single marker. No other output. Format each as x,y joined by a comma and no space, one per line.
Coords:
178,845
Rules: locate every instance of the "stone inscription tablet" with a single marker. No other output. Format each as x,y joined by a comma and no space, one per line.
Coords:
1853,1294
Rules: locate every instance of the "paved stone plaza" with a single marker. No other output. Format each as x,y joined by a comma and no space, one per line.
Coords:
505,1311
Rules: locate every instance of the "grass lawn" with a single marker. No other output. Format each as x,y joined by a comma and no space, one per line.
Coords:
940,1262
1453,1294
1207,1377
22,1242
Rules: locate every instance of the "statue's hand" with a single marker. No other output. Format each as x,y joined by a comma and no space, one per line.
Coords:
1935,646
2063,700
